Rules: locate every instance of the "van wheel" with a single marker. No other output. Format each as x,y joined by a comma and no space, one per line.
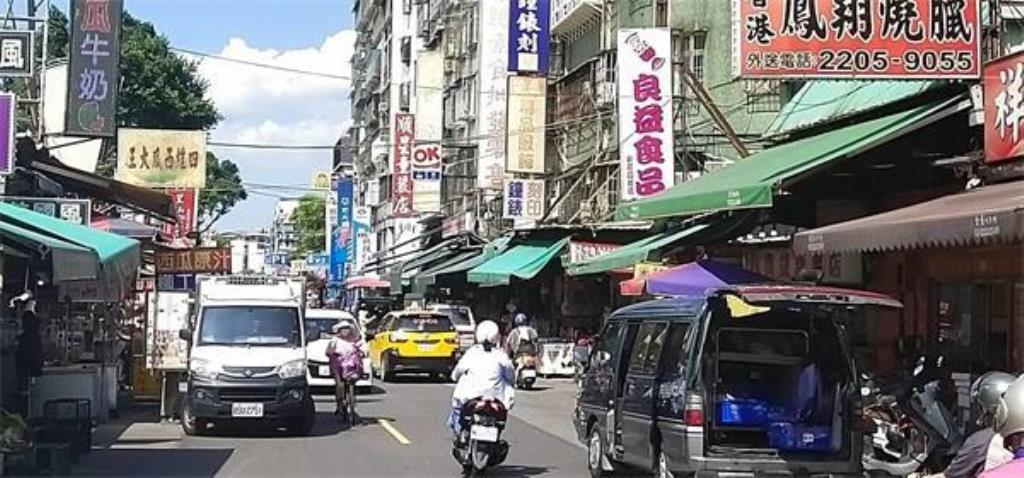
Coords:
597,457
191,425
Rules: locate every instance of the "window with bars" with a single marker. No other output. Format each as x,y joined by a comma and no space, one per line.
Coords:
763,96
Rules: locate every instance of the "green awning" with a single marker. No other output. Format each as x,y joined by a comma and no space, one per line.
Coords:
69,261
630,254
523,261
119,256
752,182
440,251
464,262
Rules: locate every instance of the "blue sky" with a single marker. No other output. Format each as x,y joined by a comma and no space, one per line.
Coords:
265,106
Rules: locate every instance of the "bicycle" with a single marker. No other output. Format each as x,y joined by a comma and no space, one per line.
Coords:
350,405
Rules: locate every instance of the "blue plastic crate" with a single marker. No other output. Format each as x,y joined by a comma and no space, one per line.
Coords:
743,412
793,437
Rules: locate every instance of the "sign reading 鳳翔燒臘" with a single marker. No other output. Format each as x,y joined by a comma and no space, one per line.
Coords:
857,38
16,54
401,180
1004,108
524,199
94,72
529,35
646,146
157,158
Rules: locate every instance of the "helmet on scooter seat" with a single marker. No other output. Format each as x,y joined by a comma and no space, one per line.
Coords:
1010,412
987,389
487,333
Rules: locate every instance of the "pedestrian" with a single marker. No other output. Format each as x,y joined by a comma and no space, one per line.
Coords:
1010,424
345,353
28,358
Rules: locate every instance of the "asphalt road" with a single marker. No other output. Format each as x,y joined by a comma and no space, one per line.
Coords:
415,442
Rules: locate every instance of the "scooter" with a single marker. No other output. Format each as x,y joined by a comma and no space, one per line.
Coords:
526,370
478,445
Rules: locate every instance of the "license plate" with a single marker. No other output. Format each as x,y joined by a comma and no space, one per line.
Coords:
247,410
482,433
426,347
325,371
529,373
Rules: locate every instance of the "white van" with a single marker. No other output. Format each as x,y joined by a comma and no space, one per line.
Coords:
247,360
318,374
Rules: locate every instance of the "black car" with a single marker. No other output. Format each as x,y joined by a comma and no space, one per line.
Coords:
750,379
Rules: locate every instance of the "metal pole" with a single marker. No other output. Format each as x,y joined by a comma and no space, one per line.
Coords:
41,131
716,114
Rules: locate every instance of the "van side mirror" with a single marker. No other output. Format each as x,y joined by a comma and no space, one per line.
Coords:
185,334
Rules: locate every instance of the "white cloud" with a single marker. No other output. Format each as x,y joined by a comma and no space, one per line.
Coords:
265,106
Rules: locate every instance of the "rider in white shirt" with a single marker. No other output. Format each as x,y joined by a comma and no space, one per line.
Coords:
485,370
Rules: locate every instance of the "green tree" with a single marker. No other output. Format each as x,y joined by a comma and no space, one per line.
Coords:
160,89
223,190
309,219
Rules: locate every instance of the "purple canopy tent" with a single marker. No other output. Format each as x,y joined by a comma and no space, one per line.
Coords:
694,278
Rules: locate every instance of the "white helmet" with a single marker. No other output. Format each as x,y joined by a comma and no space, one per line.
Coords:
487,333
1010,411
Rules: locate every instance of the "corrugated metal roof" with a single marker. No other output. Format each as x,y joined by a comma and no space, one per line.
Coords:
822,101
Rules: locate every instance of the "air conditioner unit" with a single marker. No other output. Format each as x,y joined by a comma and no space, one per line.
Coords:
449,65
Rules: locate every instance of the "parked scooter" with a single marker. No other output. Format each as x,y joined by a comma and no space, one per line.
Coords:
479,444
914,431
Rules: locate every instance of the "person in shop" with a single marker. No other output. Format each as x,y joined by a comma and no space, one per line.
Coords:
28,356
1010,424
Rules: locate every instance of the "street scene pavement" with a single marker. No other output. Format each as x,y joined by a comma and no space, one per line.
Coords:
415,441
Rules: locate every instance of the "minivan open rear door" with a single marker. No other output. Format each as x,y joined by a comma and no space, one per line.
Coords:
812,294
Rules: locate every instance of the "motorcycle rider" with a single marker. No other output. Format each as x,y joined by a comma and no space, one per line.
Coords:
983,450
1010,424
523,338
484,370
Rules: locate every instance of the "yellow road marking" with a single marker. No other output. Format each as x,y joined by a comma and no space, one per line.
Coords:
399,437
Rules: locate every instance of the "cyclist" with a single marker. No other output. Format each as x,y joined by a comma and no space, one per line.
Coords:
345,351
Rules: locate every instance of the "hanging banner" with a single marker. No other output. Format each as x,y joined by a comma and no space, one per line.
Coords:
78,211
365,242
527,103
183,203
529,35
194,261
524,199
492,105
157,158
426,178
7,102
341,234
330,213
857,39
646,148
1004,108
94,71
16,54
401,173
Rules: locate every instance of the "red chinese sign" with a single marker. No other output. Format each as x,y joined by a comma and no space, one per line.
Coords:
192,261
858,38
183,203
401,179
1004,108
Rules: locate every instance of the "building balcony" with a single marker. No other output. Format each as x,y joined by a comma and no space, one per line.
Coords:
568,15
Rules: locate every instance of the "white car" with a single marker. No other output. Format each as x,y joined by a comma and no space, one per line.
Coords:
463,320
318,373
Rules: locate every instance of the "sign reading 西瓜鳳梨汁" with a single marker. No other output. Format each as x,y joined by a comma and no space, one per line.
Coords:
580,251
16,54
94,71
1004,108
157,158
524,199
529,35
78,211
193,261
646,147
857,38
426,178
527,103
401,180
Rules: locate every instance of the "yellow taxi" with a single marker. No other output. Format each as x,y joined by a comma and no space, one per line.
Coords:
418,341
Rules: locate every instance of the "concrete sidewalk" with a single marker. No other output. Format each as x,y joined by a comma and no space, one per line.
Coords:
549,407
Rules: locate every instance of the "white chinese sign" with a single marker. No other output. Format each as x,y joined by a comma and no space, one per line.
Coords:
492,106
527,103
524,199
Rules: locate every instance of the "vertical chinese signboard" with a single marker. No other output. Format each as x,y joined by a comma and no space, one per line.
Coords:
183,203
426,178
401,179
527,103
492,105
7,102
524,199
16,54
93,68
342,240
155,158
645,112
857,38
529,35
365,244
1004,108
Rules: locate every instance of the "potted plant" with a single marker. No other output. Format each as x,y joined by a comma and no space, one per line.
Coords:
12,435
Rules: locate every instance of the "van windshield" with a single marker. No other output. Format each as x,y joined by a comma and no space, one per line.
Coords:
250,326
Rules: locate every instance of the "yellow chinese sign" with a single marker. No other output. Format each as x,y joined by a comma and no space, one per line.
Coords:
321,180
644,269
527,103
157,158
